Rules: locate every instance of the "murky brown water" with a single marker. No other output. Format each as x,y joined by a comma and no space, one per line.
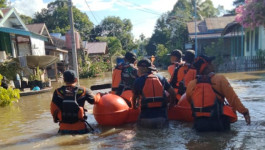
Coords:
29,125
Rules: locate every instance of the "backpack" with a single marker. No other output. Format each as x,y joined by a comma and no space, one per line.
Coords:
70,110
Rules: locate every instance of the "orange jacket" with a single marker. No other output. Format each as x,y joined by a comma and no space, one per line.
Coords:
171,69
222,86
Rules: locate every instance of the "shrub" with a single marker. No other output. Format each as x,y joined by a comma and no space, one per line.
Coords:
8,96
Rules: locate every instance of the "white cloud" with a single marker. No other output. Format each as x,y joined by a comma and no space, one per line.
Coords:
161,6
28,8
94,5
228,4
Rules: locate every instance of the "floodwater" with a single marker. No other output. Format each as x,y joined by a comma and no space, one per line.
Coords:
29,125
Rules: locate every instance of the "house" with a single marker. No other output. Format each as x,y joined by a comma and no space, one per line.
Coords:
95,48
253,39
15,38
210,30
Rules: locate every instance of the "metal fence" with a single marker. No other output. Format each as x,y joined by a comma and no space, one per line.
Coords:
246,63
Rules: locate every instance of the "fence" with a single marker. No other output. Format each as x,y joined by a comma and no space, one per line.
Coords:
246,63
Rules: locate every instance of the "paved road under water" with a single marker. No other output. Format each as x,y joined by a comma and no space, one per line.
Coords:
29,125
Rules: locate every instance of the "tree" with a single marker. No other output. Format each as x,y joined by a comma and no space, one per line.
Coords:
56,19
115,27
26,19
171,29
251,14
2,3
114,44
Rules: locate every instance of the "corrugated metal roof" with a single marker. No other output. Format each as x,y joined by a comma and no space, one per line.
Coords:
210,24
36,28
218,22
95,47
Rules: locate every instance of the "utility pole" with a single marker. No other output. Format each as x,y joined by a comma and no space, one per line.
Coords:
195,16
74,54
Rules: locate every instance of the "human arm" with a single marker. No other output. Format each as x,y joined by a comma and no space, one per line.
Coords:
224,87
54,107
172,96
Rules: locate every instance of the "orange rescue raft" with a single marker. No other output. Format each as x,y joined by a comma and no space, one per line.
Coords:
182,111
112,110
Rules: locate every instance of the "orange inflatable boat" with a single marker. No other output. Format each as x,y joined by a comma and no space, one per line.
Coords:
182,111
113,110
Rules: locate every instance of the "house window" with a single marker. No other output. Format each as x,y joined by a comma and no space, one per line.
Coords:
247,41
256,38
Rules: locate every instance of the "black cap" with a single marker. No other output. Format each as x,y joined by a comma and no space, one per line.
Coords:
146,63
201,60
189,56
131,57
177,53
69,76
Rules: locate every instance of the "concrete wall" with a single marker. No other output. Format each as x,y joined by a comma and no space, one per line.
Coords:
38,47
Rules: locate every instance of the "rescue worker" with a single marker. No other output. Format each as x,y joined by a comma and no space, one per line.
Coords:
206,95
128,73
67,106
175,59
116,75
149,93
183,74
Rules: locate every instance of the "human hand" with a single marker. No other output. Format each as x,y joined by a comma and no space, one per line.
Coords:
247,118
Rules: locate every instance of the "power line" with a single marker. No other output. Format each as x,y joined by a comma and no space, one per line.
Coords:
91,12
141,9
147,9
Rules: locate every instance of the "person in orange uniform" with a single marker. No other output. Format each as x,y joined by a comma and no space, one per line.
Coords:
175,59
206,95
149,94
67,106
128,73
116,75
183,74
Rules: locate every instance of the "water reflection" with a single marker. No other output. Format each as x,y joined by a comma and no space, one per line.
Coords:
29,125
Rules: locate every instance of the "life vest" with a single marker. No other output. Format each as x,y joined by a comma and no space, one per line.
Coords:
70,111
153,94
205,102
116,79
181,78
171,69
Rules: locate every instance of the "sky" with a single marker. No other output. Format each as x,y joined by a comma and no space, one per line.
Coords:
142,13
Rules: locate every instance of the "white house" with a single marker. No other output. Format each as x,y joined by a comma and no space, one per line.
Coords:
254,41
15,38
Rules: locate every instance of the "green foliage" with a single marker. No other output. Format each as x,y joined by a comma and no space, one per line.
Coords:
26,19
8,96
2,3
9,69
56,19
36,76
162,56
260,52
115,27
114,44
94,69
171,29
217,49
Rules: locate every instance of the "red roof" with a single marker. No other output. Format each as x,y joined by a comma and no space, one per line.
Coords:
36,28
95,47
5,10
